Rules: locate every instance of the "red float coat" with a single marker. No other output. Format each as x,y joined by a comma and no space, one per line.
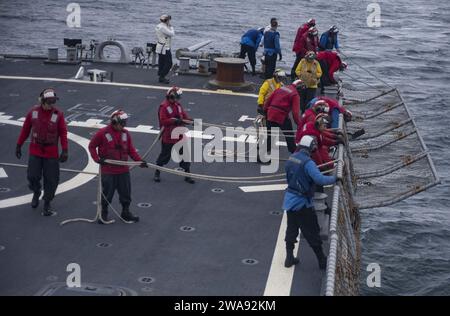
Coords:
333,61
108,143
46,126
167,112
297,42
281,102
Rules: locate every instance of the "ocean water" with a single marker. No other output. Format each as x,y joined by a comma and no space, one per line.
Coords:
410,50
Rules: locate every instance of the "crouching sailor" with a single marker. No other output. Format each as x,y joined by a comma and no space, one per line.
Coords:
114,142
46,124
302,175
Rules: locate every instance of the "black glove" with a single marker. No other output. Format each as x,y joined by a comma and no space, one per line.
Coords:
143,164
101,161
260,110
281,57
64,156
18,151
178,121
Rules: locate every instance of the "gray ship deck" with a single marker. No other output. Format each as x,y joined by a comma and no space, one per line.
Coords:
229,226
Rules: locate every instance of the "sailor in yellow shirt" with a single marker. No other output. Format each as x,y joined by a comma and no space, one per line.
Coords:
310,72
269,86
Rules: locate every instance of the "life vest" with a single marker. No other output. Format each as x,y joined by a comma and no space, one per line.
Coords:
44,130
170,110
298,180
281,104
272,87
115,149
310,79
269,39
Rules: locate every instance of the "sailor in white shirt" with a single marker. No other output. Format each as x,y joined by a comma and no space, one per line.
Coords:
164,34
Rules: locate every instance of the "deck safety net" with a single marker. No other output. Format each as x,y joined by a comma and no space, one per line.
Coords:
388,163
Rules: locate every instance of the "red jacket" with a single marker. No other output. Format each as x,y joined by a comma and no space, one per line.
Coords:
46,127
115,145
281,102
297,42
306,44
320,156
167,112
332,60
332,103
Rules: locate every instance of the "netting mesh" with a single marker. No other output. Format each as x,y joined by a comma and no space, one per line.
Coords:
388,163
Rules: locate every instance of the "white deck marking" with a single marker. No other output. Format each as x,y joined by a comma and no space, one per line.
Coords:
131,85
263,188
70,184
3,173
279,281
244,118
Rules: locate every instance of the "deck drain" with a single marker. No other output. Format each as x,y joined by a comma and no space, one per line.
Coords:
92,133
151,97
187,229
250,262
191,103
52,278
94,202
4,190
227,123
144,205
217,190
72,90
124,88
178,169
103,245
101,100
276,213
14,94
147,289
2,248
146,280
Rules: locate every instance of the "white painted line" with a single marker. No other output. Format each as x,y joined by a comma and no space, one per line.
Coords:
132,85
263,188
70,184
244,118
279,281
3,173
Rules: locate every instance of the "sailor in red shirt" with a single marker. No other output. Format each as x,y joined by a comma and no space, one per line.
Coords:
298,44
114,142
330,62
278,107
47,125
311,113
171,115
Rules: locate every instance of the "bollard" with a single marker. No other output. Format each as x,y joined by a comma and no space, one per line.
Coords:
53,54
184,64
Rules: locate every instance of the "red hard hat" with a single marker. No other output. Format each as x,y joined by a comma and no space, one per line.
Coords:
311,22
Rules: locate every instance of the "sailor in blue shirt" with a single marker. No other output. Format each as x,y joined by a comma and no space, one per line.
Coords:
249,45
329,39
272,48
302,175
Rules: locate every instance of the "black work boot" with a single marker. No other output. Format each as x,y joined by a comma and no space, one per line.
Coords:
157,177
103,215
321,257
128,216
188,179
163,80
47,211
290,259
35,200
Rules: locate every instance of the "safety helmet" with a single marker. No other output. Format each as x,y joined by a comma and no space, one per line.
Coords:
322,119
279,73
299,84
165,17
119,117
347,116
311,22
334,29
310,55
309,142
48,95
261,29
321,106
174,93
313,31
343,66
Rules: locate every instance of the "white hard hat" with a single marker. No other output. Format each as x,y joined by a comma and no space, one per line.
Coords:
280,73
308,141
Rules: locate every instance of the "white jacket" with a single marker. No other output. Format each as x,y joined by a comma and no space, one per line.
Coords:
164,34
